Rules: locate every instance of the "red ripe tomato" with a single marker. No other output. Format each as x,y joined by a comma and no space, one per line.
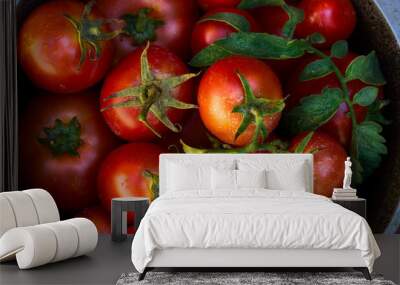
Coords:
211,4
221,90
270,19
207,32
334,19
49,50
169,23
329,157
122,172
125,121
99,216
194,134
63,156
340,126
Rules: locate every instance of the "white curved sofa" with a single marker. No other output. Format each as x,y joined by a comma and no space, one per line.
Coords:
31,231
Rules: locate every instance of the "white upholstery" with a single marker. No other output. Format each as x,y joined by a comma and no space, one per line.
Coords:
232,161
23,208
7,219
37,245
31,231
45,205
26,208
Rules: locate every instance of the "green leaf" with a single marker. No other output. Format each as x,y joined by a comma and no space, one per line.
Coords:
366,69
155,183
258,45
370,146
366,96
238,22
250,4
313,111
357,177
339,49
316,38
316,69
296,16
375,112
304,142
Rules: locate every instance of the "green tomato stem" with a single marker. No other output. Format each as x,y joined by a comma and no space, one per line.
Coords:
342,81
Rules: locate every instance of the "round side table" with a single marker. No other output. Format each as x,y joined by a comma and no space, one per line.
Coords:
119,209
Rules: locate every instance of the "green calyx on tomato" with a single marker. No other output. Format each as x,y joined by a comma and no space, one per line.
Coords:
63,138
90,33
153,96
155,183
254,109
140,26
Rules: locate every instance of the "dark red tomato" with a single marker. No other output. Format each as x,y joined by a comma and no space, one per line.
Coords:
122,173
271,19
211,4
125,121
177,16
335,19
63,156
340,125
100,217
221,90
49,50
329,157
207,32
194,134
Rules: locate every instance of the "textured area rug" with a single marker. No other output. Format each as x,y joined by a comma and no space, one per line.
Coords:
243,278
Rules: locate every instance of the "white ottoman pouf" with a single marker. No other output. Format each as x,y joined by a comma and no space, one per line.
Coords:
23,208
40,244
26,208
31,231
7,218
45,205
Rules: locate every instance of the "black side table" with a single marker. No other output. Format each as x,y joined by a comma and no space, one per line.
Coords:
358,206
119,209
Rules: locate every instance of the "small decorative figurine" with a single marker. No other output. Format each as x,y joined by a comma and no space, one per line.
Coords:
347,174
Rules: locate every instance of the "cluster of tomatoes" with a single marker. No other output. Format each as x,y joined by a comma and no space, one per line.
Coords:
117,92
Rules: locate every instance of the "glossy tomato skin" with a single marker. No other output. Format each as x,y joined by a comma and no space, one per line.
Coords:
49,52
207,32
212,4
220,90
329,157
71,180
124,121
340,126
334,19
121,173
178,17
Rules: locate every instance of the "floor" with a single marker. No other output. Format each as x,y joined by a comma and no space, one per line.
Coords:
110,260
103,266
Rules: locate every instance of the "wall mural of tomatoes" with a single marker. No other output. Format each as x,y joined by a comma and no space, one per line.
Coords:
117,82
